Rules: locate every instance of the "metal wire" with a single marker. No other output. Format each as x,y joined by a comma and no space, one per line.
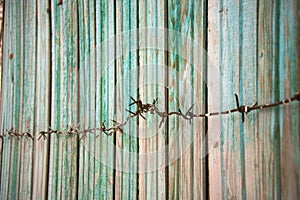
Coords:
142,109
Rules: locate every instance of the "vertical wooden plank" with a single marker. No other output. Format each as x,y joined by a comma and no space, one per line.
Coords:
82,186
187,73
118,174
63,157
214,45
99,39
126,178
70,98
227,161
54,184
187,79
108,72
248,92
6,96
266,133
144,15
43,86
11,113
87,97
161,22
104,152
175,64
289,48
151,181
5,101
200,172
183,78
16,83
28,96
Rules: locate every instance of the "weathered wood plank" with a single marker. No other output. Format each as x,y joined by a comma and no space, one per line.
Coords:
104,152
175,66
82,46
126,85
12,106
161,41
289,81
63,156
109,71
43,87
216,170
54,184
143,142
200,172
6,96
267,173
69,98
248,93
4,51
253,46
151,181
28,96
87,98
186,100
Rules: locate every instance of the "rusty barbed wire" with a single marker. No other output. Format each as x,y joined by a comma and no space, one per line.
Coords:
142,109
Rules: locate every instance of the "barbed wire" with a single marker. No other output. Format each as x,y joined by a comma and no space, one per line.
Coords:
142,109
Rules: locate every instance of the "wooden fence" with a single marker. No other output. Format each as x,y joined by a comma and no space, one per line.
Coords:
57,73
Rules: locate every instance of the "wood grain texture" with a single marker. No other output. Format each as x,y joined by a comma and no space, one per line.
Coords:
126,176
42,115
57,71
288,58
87,77
13,94
151,181
175,65
28,96
268,131
105,93
5,105
63,153
199,84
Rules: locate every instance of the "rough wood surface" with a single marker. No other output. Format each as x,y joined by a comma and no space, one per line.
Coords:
57,70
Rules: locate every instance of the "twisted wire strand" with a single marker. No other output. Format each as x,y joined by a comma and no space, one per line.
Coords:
118,127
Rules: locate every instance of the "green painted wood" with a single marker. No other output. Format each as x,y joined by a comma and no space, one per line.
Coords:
254,46
83,60
126,182
175,67
87,97
248,91
214,60
11,114
63,155
186,100
5,106
289,83
105,93
200,172
28,96
54,184
256,145
70,100
187,79
100,178
268,134
108,73
43,87
152,64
